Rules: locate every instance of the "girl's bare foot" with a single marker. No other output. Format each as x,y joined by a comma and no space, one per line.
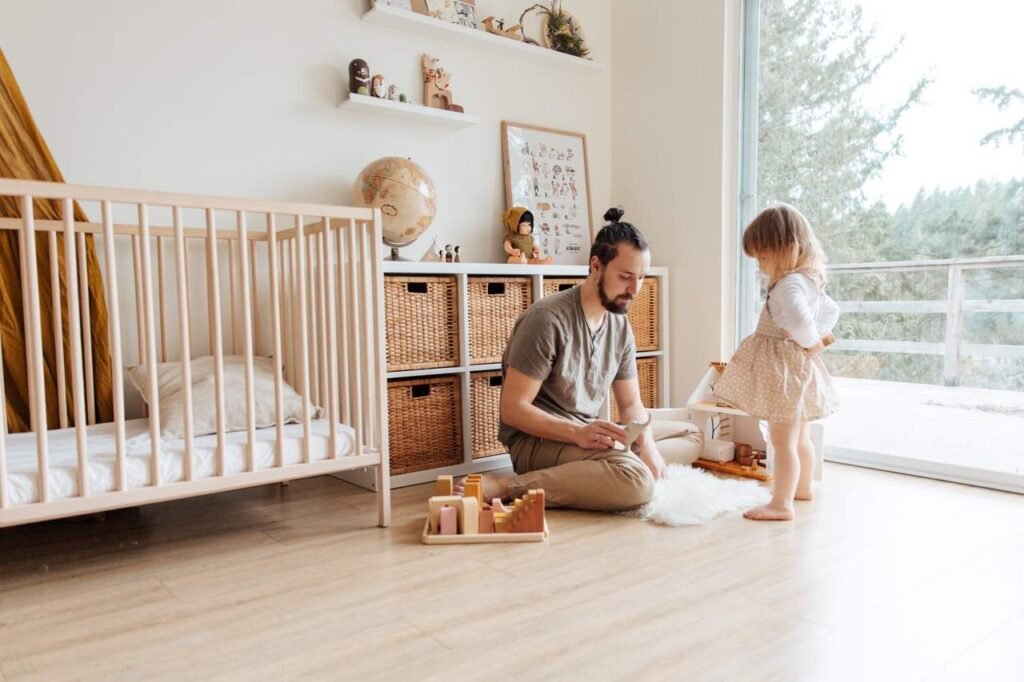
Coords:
769,513
804,495
493,486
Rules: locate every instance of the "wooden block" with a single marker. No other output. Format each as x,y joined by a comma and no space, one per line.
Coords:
486,524
469,516
434,507
528,515
473,489
449,520
497,506
445,486
501,522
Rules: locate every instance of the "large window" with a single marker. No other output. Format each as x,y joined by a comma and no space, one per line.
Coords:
901,137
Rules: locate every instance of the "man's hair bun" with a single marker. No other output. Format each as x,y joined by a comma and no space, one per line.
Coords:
613,215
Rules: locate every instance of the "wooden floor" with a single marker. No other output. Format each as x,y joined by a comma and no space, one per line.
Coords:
885,577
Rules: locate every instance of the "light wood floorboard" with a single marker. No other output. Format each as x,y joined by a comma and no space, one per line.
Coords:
884,577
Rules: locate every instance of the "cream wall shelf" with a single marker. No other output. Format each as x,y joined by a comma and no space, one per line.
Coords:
407,111
405,20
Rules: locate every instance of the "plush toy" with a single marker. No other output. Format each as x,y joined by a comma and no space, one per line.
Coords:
519,238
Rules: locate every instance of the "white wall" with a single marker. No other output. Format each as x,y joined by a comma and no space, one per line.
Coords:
674,146
240,99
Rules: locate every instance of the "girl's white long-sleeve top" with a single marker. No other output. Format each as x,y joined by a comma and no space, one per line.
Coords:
797,305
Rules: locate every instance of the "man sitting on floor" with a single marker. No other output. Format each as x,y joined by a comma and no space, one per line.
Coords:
564,355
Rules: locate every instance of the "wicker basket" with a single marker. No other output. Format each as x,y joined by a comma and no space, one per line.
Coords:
485,400
647,377
424,423
643,316
495,303
555,284
422,322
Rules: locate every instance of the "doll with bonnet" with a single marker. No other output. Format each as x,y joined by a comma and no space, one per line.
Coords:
519,238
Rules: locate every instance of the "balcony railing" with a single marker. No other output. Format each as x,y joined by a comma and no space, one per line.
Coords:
953,307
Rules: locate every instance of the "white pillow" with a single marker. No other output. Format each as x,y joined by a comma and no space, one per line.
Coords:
204,417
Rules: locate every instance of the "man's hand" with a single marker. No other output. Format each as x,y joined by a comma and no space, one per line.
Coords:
654,461
600,435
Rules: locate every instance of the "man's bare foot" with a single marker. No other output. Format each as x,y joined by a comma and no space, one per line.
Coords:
769,513
493,486
804,495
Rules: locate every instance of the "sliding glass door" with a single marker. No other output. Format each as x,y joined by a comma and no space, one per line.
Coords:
902,140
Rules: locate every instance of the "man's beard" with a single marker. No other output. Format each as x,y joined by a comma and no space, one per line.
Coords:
618,305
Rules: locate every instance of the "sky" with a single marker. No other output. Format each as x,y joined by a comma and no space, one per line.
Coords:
960,46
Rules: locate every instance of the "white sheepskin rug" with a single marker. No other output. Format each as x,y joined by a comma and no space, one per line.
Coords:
688,496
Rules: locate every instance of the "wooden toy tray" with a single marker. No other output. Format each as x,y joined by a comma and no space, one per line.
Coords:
429,539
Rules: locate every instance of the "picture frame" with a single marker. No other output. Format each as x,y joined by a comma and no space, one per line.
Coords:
465,13
547,171
399,4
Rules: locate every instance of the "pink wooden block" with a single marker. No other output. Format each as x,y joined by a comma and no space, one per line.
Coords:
449,521
497,506
486,521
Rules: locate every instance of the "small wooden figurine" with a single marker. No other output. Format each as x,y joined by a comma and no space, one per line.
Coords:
518,242
358,77
393,93
458,258
449,256
378,88
437,82
500,30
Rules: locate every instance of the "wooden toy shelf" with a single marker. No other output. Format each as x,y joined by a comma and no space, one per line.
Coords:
427,538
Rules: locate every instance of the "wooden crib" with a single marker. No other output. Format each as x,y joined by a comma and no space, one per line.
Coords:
303,288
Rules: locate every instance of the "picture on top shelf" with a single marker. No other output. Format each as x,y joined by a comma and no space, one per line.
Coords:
465,13
546,170
443,10
400,4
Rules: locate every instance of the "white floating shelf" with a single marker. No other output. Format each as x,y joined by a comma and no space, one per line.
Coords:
407,111
394,17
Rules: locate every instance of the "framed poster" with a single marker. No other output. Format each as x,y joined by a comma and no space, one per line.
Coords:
546,171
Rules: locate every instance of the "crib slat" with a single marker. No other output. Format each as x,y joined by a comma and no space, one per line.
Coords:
58,332
303,340
114,318
140,313
380,373
75,330
150,334
366,366
321,286
188,273
216,342
34,343
343,326
311,318
275,323
26,286
255,298
286,313
355,310
250,395
232,307
160,287
86,329
181,268
331,340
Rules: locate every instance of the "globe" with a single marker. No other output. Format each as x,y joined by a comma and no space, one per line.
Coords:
403,192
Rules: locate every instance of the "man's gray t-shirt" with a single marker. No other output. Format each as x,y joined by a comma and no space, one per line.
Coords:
552,343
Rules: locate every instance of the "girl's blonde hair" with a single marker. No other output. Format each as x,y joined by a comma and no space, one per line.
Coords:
783,234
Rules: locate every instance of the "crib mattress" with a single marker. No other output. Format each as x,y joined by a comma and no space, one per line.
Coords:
23,468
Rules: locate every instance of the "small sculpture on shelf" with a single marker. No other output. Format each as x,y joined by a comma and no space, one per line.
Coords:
458,258
437,91
378,87
393,93
518,242
359,77
500,30
449,255
432,254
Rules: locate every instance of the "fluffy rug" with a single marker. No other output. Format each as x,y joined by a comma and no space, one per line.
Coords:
689,496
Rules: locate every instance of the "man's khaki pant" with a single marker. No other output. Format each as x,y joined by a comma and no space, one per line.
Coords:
601,480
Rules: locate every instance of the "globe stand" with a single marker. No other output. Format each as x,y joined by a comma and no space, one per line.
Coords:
395,257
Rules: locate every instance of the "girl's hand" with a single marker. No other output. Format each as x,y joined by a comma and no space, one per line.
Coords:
815,350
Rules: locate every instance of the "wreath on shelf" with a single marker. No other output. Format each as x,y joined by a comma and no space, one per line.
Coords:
560,30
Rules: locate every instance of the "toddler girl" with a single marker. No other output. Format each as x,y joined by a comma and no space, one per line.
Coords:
777,373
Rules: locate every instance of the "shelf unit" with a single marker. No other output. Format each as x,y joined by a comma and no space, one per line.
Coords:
465,369
405,20
407,111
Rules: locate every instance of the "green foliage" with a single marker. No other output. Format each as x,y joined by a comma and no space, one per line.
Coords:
818,144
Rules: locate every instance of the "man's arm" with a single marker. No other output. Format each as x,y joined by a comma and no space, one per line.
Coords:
631,408
517,410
